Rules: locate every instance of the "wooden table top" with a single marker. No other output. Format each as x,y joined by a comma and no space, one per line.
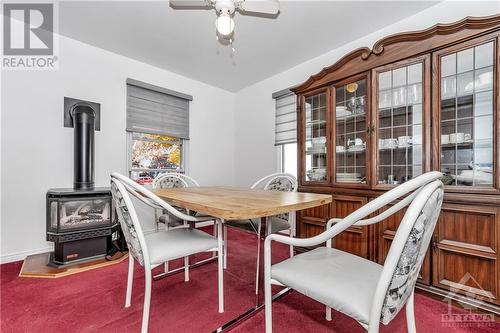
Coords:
233,203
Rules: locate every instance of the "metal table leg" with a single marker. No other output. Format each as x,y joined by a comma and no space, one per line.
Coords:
258,284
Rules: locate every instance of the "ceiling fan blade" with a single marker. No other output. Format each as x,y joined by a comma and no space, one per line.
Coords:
190,3
260,6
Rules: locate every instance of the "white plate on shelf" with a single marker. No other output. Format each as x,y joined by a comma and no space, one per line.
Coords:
342,111
348,176
316,150
356,148
357,180
474,176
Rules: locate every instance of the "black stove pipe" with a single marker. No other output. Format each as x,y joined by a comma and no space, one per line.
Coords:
84,122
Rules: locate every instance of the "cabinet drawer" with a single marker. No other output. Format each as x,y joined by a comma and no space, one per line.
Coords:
465,253
312,221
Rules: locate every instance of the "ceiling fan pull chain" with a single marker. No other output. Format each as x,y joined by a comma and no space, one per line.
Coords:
232,47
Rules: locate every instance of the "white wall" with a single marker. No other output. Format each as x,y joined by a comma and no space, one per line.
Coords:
255,152
37,151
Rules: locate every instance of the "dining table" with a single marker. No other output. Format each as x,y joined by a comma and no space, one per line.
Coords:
236,203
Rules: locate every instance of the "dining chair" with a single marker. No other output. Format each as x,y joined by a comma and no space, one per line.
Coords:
364,290
174,180
171,180
283,182
153,249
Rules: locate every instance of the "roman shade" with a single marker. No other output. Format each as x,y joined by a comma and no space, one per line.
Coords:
286,117
156,110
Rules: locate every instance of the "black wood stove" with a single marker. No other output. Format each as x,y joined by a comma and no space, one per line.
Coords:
80,220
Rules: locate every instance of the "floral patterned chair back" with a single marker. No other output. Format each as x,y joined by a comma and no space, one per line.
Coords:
283,182
129,222
408,249
170,180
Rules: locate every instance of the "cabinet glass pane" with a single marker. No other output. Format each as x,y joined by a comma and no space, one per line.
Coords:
350,132
467,117
315,141
400,124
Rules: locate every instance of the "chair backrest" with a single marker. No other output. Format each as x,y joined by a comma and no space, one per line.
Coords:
127,216
407,253
283,182
174,180
121,188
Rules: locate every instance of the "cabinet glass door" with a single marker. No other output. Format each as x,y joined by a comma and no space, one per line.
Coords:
466,104
399,124
315,109
350,132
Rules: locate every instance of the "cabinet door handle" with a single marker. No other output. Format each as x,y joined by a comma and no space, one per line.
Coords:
370,129
434,242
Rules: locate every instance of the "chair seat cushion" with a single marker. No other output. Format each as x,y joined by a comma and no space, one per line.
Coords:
278,224
342,281
177,243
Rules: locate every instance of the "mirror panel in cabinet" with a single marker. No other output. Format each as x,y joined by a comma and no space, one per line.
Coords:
466,79
315,110
400,118
350,132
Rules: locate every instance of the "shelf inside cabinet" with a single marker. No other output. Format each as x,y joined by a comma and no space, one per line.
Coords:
350,117
462,145
315,122
395,148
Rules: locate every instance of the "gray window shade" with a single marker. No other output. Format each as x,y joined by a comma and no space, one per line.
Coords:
156,110
286,118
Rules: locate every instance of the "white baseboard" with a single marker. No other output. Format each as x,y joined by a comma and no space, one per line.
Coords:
16,256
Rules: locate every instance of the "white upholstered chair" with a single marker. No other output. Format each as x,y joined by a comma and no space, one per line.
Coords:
152,250
175,180
366,291
171,180
283,182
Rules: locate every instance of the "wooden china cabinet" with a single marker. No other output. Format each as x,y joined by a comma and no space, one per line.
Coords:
416,102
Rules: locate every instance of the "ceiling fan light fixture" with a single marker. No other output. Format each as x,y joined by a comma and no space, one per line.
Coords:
224,24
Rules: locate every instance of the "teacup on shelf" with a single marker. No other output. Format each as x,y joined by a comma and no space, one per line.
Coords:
319,142
404,141
355,142
390,143
445,139
457,137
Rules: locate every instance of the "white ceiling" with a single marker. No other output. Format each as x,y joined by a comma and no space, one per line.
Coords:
183,41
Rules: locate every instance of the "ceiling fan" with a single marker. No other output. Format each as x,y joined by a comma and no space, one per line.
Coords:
225,9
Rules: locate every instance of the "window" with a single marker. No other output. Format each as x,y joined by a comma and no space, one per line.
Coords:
152,154
288,158
286,131
158,129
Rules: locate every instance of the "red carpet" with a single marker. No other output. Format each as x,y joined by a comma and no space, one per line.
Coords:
93,302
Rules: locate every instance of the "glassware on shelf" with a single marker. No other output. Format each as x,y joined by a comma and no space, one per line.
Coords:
315,140
399,116
467,116
350,137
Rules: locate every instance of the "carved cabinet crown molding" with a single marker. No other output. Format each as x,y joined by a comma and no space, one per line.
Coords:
400,46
